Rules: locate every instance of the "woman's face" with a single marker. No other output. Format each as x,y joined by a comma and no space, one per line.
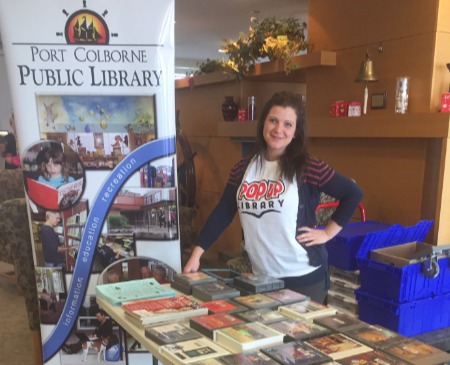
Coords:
53,169
279,130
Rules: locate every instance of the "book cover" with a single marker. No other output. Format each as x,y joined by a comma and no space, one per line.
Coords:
117,293
417,353
185,289
295,353
308,309
222,305
371,357
257,301
170,333
374,336
299,329
247,336
194,278
263,315
337,346
286,296
150,311
209,323
338,322
49,197
248,358
187,352
258,283
214,291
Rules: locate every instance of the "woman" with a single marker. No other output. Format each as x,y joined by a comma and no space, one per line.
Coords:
100,338
277,189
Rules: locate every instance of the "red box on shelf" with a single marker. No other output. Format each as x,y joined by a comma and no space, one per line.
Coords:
339,108
445,103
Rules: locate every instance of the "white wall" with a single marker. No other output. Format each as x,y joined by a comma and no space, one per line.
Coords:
5,96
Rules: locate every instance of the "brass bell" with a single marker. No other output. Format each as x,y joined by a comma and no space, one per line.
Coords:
366,72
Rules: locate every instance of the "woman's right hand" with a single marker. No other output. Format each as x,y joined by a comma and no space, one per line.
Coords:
193,263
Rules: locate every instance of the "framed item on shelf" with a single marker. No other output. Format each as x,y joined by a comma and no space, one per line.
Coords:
378,100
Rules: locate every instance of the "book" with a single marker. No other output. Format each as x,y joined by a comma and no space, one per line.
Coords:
372,357
418,353
263,315
222,305
170,333
213,361
209,323
295,353
225,275
248,358
247,336
337,345
286,296
307,309
299,329
187,352
214,291
185,289
152,311
257,301
258,283
117,293
374,336
338,322
193,278
49,197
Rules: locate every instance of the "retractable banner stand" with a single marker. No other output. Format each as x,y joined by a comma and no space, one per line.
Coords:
92,84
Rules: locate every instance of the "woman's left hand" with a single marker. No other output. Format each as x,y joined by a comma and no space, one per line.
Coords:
309,236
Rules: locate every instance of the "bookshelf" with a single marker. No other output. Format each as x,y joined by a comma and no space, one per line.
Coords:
74,222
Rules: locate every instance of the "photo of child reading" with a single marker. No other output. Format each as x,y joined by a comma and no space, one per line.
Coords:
53,174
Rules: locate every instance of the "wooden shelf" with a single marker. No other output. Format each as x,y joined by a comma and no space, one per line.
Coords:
419,125
266,71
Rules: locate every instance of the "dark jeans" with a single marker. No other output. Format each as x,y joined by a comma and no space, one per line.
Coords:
313,285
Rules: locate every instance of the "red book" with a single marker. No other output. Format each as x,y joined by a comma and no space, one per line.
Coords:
208,324
221,305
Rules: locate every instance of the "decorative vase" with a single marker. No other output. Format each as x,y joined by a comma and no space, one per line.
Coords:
229,109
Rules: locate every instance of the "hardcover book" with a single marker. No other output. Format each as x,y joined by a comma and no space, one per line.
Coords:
417,353
248,358
194,278
209,323
170,333
247,336
222,305
257,301
338,322
295,353
117,293
146,312
299,329
372,357
49,197
187,352
214,291
185,289
263,315
374,336
337,346
307,309
286,296
258,283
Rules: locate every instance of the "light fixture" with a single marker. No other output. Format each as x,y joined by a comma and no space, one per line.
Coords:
367,74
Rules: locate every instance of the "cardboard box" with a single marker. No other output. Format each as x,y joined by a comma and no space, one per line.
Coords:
400,255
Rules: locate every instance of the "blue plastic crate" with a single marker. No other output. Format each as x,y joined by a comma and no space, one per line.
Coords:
400,284
408,319
342,249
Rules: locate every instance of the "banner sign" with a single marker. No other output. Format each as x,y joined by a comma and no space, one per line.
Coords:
92,85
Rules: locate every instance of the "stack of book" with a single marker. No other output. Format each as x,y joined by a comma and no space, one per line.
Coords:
118,293
222,305
254,283
257,301
263,315
295,352
299,329
212,322
152,311
185,282
170,333
214,291
307,309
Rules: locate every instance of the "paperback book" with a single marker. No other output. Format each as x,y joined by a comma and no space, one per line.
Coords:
187,352
374,336
337,346
299,329
247,336
258,283
286,296
214,291
307,309
170,333
193,278
263,315
257,301
372,357
209,323
295,353
338,322
248,358
117,293
222,305
185,289
417,353
152,311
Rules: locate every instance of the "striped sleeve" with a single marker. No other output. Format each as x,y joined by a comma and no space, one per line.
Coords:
317,172
238,171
